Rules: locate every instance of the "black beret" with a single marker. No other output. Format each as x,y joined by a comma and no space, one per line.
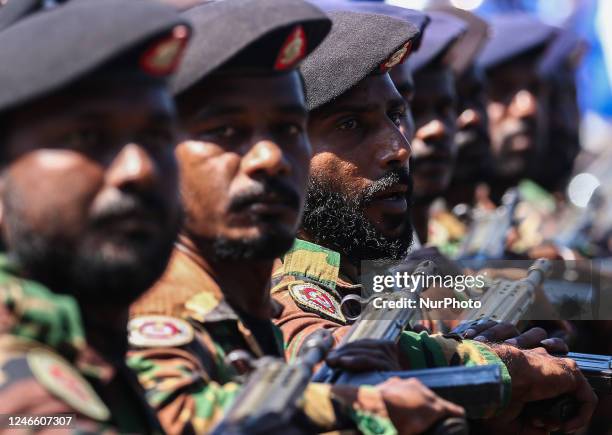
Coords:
472,42
49,49
513,34
564,53
264,34
359,44
439,38
416,18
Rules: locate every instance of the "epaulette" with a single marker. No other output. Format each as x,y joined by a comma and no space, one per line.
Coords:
159,331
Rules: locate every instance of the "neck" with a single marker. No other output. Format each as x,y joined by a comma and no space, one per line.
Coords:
420,220
245,284
105,328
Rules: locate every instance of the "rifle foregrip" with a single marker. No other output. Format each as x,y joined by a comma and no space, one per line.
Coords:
450,426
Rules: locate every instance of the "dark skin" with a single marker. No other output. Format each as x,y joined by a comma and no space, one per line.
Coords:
356,140
474,158
251,130
97,147
433,102
518,120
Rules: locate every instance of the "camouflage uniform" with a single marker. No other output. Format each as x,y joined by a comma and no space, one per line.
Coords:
183,369
47,368
309,284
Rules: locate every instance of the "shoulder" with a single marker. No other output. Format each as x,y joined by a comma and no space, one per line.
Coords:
32,375
311,262
309,297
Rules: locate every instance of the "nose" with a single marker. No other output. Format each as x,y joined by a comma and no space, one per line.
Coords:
469,118
433,131
266,157
523,105
133,167
395,152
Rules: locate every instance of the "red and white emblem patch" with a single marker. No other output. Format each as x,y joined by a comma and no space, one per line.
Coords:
292,51
163,331
398,57
164,56
313,298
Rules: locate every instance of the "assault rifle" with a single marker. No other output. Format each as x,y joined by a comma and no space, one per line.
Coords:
507,300
486,237
270,398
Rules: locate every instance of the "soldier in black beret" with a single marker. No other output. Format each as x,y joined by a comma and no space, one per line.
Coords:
517,95
89,208
433,100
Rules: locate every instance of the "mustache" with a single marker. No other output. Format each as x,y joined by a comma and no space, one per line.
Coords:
390,179
129,205
272,188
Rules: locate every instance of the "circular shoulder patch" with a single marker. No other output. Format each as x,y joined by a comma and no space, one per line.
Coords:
64,381
159,331
313,298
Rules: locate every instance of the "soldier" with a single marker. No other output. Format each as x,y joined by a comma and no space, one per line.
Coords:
244,168
433,100
517,96
89,208
357,209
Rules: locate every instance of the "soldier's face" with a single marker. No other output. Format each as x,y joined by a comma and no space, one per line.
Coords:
434,111
89,199
472,138
245,166
360,190
517,116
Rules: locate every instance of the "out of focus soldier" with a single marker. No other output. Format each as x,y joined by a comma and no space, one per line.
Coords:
89,202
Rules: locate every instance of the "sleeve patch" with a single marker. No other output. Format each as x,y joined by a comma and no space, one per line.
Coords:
66,383
159,331
313,298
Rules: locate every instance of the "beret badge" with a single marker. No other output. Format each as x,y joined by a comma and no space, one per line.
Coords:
398,57
292,51
163,56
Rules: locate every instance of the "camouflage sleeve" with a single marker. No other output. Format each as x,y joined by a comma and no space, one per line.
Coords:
297,324
23,393
177,386
422,350
337,407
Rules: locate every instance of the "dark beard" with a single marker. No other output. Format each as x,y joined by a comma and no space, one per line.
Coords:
337,221
78,268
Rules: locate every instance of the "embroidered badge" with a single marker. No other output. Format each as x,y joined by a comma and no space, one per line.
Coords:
397,57
65,382
311,297
292,50
162,331
164,56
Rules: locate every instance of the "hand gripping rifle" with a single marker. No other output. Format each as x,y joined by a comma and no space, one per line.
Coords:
271,395
507,301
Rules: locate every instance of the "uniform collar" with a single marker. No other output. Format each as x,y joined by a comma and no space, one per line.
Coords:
312,262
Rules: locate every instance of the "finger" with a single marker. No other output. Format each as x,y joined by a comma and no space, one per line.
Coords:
451,409
529,339
499,332
366,360
587,397
474,330
555,346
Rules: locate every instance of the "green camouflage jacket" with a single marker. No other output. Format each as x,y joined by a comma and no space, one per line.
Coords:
180,333
47,367
308,282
